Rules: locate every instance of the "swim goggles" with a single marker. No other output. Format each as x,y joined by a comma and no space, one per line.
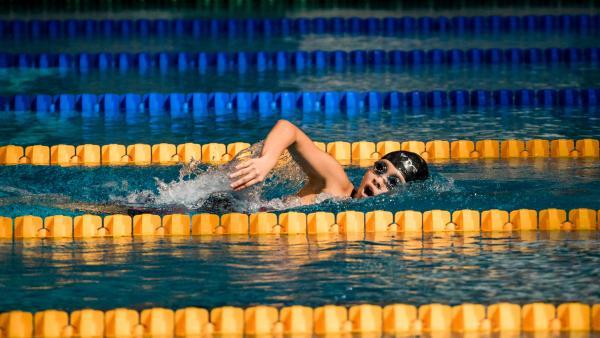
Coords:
381,168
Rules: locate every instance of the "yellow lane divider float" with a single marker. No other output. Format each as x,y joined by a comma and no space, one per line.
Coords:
302,320
359,153
297,223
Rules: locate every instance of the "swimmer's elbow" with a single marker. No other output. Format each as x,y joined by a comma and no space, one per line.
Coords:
288,126
285,123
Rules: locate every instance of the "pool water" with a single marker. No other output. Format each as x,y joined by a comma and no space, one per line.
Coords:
243,271
211,271
268,9
28,128
305,42
425,77
482,185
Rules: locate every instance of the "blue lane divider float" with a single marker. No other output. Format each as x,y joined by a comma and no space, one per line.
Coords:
296,60
267,103
214,28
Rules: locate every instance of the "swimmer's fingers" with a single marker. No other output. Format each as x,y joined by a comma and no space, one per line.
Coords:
243,181
244,164
248,184
241,172
242,169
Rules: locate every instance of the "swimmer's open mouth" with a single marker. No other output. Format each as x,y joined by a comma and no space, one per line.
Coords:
368,191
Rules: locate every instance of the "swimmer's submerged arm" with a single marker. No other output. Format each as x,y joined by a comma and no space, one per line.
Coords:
323,171
64,202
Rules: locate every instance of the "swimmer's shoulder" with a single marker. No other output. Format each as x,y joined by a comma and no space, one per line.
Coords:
340,191
325,195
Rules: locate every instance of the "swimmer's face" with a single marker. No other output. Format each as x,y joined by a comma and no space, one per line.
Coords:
379,179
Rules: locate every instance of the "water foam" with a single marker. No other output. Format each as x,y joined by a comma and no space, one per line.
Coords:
202,187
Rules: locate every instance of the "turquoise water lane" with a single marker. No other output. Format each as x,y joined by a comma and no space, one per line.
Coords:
211,271
29,128
481,185
246,271
424,77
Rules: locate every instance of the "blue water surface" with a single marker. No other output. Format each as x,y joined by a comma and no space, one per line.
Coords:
480,185
27,128
347,42
270,270
243,271
291,10
425,77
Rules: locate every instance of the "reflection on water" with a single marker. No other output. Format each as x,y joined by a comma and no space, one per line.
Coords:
350,78
291,10
25,128
347,42
315,270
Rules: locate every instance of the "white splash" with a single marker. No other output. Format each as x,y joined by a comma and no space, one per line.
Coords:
196,184
191,193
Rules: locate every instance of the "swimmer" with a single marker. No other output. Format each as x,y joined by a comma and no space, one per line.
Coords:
225,189
325,174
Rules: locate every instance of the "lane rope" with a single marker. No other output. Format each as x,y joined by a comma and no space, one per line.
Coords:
329,319
265,103
360,153
356,225
297,61
283,27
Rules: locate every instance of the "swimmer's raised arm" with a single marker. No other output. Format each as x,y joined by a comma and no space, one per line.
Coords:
324,172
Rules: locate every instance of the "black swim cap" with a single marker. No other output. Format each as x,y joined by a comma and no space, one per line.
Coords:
412,166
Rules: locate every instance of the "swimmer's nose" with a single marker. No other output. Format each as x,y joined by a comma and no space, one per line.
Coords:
377,183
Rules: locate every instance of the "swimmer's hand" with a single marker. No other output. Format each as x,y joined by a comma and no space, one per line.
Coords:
251,171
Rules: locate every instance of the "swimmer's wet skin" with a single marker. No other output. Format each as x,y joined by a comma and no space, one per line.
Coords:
325,174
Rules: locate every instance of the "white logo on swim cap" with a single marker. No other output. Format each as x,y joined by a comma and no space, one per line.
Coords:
407,164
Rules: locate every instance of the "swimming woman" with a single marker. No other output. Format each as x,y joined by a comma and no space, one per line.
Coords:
325,174
210,191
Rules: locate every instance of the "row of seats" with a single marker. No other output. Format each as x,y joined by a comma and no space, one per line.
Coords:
361,153
295,223
296,60
303,320
203,105
212,28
